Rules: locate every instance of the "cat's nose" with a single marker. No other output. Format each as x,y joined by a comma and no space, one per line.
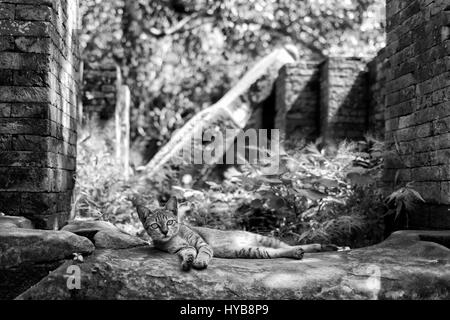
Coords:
164,232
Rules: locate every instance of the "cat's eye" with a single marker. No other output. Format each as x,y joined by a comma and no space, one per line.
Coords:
170,222
154,226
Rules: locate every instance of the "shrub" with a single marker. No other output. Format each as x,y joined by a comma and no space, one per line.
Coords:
321,195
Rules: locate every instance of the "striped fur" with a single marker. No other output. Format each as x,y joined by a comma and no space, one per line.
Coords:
196,245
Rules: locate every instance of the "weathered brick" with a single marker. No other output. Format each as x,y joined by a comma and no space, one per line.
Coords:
445,193
6,43
39,203
24,94
29,143
441,126
5,110
23,159
426,174
430,191
443,156
30,110
33,13
6,11
6,78
33,44
423,130
30,78
26,179
10,203
24,126
424,159
24,61
443,141
25,28
5,142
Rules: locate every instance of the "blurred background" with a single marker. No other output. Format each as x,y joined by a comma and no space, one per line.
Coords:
180,56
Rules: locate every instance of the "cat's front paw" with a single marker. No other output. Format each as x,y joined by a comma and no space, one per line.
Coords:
187,262
200,263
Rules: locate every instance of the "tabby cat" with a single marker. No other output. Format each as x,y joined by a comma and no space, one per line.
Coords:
196,245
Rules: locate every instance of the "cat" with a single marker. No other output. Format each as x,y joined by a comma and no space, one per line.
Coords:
197,245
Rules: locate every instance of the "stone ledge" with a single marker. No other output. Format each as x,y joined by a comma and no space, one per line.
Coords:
402,267
23,247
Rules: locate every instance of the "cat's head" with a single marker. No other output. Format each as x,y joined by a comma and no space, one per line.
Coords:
161,223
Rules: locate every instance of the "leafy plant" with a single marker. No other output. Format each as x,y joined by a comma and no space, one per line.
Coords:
404,200
320,195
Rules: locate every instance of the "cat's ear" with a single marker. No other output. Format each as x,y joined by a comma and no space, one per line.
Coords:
172,205
143,212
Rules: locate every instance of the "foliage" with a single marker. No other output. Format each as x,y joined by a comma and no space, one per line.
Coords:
179,56
101,191
321,195
99,176
404,200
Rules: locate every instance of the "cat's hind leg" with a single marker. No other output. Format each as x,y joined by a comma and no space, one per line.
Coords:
270,242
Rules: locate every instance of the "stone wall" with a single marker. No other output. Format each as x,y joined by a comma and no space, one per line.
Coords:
330,98
377,93
38,102
418,104
297,98
344,98
100,89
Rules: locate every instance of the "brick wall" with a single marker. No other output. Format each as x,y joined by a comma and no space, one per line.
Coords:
100,89
38,99
330,98
377,93
418,104
297,99
344,98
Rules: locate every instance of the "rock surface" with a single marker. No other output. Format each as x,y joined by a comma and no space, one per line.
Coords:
104,234
115,239
20,222
87,226
27,255
20,246
402,267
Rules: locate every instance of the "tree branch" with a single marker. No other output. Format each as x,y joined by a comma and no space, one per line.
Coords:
178,27
183,26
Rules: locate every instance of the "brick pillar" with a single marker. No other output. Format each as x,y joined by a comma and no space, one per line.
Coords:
344,98
418,105
38,97
297,100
